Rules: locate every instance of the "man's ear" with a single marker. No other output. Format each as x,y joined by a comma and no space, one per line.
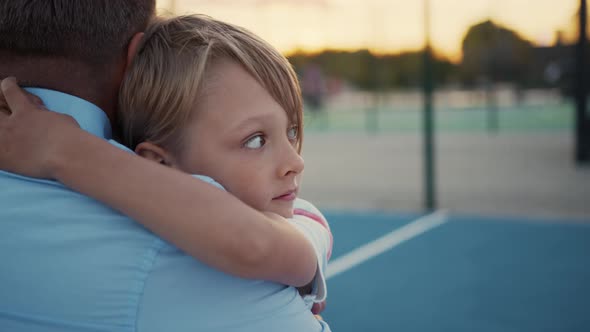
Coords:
155,153
133,46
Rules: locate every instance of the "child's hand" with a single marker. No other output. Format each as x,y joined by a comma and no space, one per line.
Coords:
29,134
318,307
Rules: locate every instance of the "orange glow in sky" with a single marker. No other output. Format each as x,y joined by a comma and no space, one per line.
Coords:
381,25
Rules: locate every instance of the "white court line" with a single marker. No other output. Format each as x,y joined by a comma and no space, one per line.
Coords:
386,242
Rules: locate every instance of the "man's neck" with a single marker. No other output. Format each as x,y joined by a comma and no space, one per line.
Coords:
76,79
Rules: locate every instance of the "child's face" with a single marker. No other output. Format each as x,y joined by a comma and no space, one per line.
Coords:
244,140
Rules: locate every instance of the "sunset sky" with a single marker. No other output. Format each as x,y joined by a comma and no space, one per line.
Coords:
381,25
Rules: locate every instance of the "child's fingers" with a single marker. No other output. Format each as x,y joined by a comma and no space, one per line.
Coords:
318,307
35,100
16,98
4,110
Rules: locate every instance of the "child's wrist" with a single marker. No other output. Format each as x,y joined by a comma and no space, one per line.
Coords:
55,162
63,152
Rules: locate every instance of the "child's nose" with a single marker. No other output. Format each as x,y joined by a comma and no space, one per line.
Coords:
293,163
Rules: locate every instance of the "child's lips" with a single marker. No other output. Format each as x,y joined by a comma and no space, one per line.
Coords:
288,196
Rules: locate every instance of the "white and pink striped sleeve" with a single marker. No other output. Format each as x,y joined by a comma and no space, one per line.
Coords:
312,223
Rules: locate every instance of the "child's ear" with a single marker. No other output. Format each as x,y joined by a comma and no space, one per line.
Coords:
155,153
133,46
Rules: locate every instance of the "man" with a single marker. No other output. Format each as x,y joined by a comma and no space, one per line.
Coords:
70,263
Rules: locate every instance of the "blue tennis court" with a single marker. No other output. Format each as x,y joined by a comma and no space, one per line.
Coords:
445,272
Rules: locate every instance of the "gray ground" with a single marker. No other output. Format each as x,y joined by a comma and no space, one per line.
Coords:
522,175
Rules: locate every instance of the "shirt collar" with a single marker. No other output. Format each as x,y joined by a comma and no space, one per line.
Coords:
89,116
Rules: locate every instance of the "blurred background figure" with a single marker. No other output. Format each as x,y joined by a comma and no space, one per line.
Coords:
313,87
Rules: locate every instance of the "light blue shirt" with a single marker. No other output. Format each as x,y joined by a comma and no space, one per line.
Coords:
69,263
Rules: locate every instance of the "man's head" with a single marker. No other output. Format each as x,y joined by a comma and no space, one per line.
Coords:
76,46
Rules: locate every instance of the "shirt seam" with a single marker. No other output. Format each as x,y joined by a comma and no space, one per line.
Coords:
146,267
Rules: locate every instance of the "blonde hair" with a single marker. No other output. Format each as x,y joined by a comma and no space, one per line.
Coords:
166,77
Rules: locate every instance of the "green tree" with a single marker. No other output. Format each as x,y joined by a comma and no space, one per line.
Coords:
368,71
494,53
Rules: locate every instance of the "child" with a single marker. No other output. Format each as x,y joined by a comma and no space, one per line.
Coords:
206,97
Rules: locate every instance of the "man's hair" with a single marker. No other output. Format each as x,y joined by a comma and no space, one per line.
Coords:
91,31
167,75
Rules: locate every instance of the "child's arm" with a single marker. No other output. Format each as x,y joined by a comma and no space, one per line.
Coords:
208,223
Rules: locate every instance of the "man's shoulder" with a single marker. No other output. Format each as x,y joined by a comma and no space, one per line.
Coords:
39,201
30,204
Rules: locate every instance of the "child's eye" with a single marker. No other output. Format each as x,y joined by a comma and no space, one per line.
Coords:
255,142
292,133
